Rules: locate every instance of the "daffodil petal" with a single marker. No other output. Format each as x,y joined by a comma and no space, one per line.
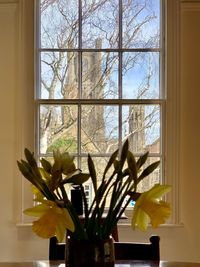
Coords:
160,214
60,232
37,211
45,227
64,222
149,208
53,220
157,191
140,219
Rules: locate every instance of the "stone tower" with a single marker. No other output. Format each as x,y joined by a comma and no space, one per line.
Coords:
92,88
136,128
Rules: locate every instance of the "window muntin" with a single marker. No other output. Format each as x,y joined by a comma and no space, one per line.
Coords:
100,83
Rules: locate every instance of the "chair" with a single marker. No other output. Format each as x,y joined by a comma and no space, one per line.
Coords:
138,251
123,250
56,250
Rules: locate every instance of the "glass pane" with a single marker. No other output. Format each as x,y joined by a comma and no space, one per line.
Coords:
141,75
141,23
58,128
59,24
141,124
59,75
100,75
100,24
99,130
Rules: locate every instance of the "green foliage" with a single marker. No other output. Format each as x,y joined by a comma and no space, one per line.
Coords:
69,144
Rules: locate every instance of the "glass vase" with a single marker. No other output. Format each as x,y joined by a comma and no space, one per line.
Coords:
89,253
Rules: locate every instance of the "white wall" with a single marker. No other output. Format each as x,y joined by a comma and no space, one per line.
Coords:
16,94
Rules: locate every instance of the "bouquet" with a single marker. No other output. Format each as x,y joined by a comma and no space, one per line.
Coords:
112,194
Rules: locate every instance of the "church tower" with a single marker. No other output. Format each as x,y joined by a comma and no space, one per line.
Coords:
92,88
136,128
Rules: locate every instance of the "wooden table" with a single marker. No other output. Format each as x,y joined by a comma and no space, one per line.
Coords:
118,264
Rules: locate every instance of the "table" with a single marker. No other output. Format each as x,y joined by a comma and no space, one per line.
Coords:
118,264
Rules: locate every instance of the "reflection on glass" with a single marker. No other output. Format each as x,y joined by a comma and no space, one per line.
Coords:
58,128
100,20
141,75
99,130
141,124
59,24
100,75
59,75
141,23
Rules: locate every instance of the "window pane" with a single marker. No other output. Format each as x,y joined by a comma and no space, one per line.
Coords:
141,123
99,130
141,23
58,128
59,75
59,24
100,75
100,21
141,75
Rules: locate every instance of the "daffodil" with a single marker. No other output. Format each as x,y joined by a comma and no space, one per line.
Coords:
149,208
64,162
53,220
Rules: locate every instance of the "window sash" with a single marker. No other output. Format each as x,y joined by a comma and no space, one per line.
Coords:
120,101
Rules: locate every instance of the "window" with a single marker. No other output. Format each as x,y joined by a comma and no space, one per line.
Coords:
100,79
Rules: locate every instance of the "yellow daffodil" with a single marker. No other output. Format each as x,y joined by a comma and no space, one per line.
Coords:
148,208
64,162
53,220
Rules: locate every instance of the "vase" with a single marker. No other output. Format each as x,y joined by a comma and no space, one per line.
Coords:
89,253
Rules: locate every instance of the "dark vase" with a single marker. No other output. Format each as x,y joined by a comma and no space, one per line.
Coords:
86,253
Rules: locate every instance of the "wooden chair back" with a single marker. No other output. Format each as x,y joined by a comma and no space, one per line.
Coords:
138,251
123,250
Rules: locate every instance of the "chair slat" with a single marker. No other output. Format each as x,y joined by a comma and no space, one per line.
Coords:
123,250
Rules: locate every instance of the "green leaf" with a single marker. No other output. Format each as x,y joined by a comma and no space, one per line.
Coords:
37,181
46,165
30,157
25,170
32,162
78,179
110,162
148,170
116,166
92,171
132,166
142,160
124,153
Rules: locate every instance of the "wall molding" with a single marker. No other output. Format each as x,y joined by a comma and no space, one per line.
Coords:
193,6
172,130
